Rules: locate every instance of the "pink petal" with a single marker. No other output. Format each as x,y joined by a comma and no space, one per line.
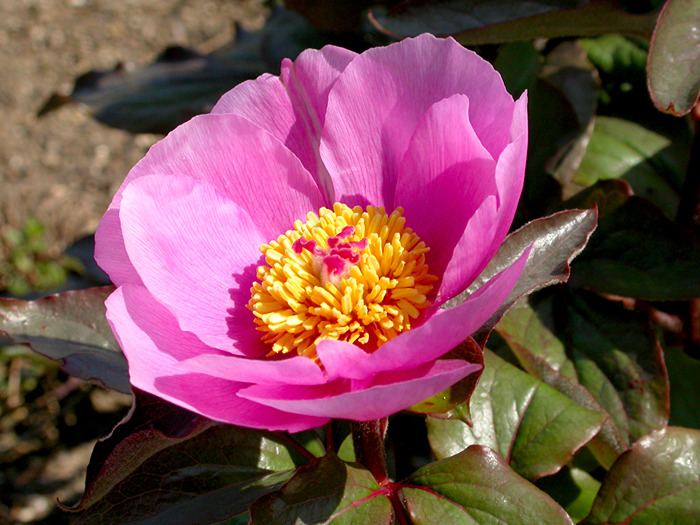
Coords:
339,358
149,335
293,371
293,107
219,399
379,98
241,160
445,177
388,393
110,252
154,345
445,329
196,252
510,171
471,254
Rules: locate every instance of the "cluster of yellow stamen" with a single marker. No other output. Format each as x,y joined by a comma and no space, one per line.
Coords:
345,274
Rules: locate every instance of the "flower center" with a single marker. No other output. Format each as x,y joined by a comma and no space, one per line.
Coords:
345,274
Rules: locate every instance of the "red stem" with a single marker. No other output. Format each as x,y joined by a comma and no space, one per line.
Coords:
368,441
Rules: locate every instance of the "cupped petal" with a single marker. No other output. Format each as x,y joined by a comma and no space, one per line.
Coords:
110,252
445,177
291,371
386,394
444,330
241,161
510,172
292,107
154,346
197,253
149,335
377,101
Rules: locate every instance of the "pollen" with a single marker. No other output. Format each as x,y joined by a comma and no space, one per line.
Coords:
347,274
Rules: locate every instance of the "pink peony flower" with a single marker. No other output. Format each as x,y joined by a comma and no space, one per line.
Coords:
282,260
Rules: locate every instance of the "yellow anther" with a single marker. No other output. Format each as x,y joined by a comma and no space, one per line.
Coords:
366,291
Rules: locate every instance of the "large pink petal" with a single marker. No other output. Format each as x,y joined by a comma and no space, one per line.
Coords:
220,400
379,98
293,371
196,252
510,171
293,107
241,160
445,177
149,335
154,346
387,394
444,330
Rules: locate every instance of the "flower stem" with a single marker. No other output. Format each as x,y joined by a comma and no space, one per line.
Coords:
368,441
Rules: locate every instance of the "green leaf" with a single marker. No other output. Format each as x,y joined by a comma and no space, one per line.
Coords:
674,57
533,426
477,487
574,489
656,481
70,328
639,252
554,242
614,352
541,351
165,463
621,148
683,373
326,490
611,53
518,63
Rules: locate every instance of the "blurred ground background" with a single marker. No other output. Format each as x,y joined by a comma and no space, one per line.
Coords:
63,169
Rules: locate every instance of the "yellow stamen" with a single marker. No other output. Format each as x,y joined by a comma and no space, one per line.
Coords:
345,274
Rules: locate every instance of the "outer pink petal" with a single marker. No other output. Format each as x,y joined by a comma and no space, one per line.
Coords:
379,98
442,332
153,345
240,159
293,371
293,107
386,395
196,252
133,312
445,177
510,172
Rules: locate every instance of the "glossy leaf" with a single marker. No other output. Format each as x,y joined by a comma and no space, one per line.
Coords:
674,57
683,373
553,241
574,489
639,252
477,487
542,352
617,358
510,20
656,481
165,463
621,148
326,490
183,83
70,328
533,426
